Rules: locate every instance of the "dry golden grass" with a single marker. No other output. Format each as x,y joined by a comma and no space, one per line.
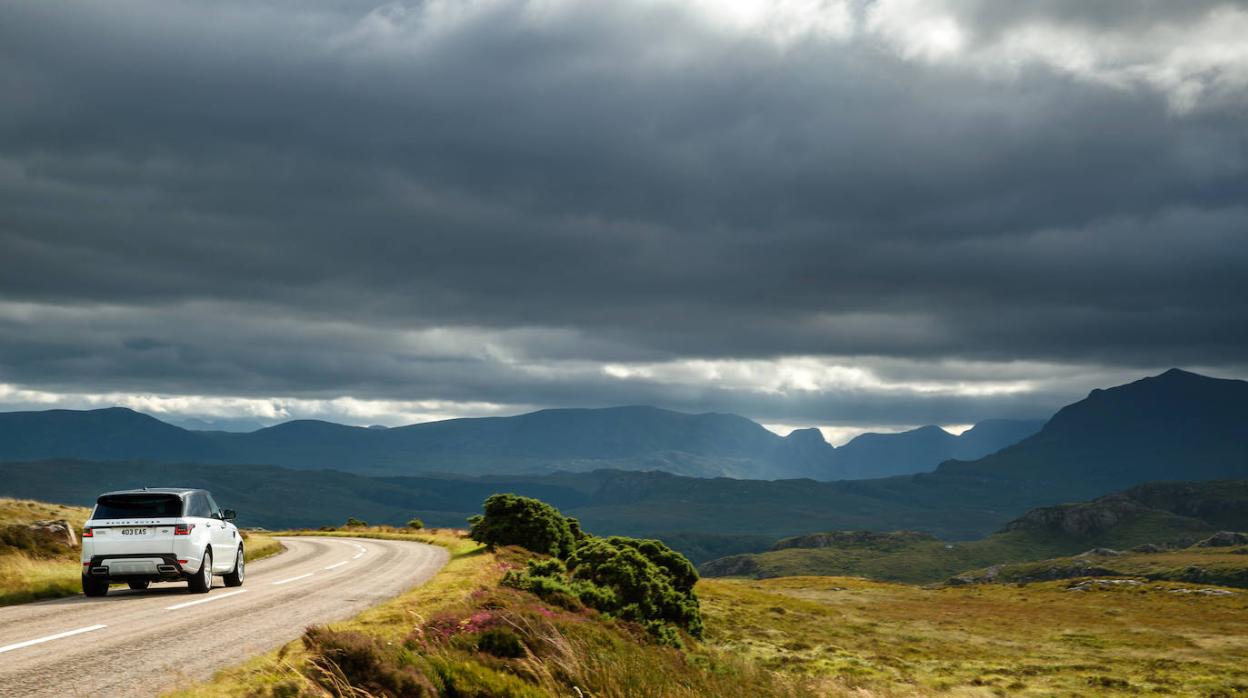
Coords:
986,640
27,510
36,574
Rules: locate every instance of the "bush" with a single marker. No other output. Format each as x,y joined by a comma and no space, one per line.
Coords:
651,583
530,523
353,522
550,567
416,524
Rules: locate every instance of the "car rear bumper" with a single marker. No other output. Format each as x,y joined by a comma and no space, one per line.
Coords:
135,566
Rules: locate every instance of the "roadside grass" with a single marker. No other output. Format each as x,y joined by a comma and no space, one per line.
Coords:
38,573
462,634
1041,639
258,546
24,578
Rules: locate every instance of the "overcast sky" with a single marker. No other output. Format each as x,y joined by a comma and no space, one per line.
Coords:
855,215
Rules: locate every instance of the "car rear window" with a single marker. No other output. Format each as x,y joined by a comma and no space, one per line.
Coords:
132,506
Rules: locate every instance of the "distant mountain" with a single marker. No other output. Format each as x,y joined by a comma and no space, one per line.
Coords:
1174,426
625,438
920,450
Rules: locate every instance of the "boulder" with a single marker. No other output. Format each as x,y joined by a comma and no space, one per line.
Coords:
1100,552
54,533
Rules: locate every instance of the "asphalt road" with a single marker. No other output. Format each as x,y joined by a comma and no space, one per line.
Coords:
143,643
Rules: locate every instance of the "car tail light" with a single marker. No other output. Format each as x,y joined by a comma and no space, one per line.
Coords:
86,532
181,562
183,529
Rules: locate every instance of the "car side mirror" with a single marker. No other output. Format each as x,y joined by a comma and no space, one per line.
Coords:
228,514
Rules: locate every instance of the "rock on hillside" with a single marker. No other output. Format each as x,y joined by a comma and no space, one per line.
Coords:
1079,519
1224,539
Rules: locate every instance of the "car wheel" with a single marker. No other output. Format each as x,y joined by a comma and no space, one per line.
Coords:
202,581
139,584
94,586
235,578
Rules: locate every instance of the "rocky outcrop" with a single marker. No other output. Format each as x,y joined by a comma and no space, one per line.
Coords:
1083,519
40,537
1100,552
1026,574
731,566
1224,539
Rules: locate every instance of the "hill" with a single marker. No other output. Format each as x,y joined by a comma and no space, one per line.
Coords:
708,517
1174,426
622,438
1114,521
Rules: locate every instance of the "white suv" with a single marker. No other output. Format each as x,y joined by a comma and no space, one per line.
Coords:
159,534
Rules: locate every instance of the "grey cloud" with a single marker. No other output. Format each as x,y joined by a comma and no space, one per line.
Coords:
276,192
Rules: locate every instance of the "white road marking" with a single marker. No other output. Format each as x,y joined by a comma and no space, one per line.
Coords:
210,598
357,555
67,633
294,579
337,564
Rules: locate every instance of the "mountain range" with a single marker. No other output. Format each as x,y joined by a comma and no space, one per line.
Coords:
622,438
1175,426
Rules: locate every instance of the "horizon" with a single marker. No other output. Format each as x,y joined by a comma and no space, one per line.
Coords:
833,436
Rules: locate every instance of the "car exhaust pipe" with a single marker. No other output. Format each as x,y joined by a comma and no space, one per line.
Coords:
99,570
167,569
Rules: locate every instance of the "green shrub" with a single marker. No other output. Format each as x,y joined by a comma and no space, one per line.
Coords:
353,522
650,582
530,523
416,524
549,567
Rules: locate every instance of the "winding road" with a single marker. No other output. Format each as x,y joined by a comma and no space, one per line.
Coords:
143,643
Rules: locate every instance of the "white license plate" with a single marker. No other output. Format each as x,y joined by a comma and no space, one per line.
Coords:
134,531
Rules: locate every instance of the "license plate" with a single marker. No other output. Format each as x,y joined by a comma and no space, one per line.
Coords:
134,531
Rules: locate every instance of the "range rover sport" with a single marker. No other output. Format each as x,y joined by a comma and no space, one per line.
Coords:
159,534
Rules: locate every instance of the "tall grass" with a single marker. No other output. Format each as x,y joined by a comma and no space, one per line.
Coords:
25,578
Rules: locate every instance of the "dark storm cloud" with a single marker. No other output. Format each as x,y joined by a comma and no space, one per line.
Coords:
268,198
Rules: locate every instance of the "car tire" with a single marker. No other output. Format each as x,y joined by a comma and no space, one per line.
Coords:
235,578
139,584
94,586
202,581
